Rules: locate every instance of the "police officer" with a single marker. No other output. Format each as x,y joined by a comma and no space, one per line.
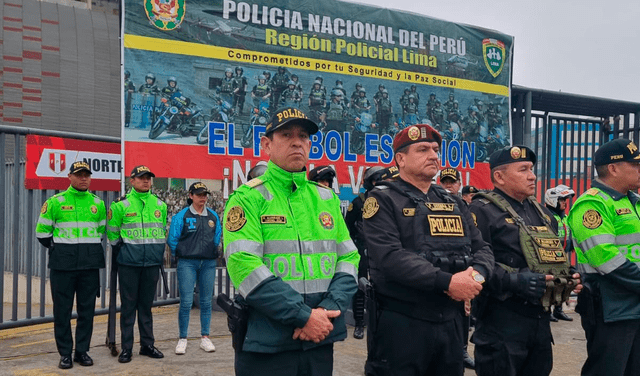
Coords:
384,109
149,91
171,88
605,227
228,86
136,229
290,257
290,96
468,191
260,92
513,334
129,89
450,180
555,199
72,224
278,83
241,90
335,113
323,175
425,259
353,219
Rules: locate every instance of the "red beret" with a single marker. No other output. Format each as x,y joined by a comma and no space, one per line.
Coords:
416,133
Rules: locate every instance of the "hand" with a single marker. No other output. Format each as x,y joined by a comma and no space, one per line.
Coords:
463,286
317,327
578,281
528,284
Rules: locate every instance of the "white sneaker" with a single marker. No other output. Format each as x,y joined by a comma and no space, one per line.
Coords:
181,348
206,345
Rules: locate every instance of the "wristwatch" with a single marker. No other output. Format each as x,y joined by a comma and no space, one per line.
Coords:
477,277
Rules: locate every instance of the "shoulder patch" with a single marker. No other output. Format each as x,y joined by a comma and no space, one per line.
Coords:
109,214
591,219
44,208
622,211
475,218
591,192
370,208
254,182
236,219
350,208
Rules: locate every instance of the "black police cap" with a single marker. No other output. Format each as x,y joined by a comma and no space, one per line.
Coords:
450,173
288,116
141,170
79,166
322,173
512,154
198,188
469,189
618,150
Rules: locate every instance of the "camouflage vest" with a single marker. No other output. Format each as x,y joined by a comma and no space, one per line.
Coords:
335,111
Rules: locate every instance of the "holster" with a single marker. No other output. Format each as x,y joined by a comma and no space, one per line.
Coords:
558,291
588,303
371,304
237,319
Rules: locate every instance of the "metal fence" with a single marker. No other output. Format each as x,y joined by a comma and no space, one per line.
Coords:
24,291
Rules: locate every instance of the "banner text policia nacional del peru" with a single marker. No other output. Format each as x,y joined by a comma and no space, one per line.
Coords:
202,75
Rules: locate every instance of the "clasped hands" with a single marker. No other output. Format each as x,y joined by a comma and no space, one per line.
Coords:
317,327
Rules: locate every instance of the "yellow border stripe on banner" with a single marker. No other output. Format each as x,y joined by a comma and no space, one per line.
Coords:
299,62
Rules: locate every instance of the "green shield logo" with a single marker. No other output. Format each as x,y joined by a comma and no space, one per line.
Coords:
494,55
165,14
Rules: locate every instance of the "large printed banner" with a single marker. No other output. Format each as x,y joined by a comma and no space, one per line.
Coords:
49,160
203,76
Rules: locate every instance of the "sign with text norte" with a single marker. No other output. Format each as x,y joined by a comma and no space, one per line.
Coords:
49,160
203,76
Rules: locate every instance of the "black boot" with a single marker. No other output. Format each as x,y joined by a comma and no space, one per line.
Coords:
559,314
467,360
358,314
358,332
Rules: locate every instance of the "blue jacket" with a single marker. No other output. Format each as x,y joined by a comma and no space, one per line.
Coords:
194,235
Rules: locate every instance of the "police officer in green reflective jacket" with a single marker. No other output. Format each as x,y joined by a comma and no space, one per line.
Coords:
290,257
136,229
605,226
72,224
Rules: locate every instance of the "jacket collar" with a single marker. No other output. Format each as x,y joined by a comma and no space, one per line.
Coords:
284,180
597,183
140,195
76,192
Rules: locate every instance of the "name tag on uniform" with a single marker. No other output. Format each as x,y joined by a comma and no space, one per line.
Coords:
131,214
622,211
445,225
539,228
66,207
548,243
439,206
281,219
510,220
409,212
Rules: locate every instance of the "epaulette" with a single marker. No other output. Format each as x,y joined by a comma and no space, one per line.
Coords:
591,192
484,201
254,182
120,198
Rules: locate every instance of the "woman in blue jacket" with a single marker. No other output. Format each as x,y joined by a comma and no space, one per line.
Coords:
194,238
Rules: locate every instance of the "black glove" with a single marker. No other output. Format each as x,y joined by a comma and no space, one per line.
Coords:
526,284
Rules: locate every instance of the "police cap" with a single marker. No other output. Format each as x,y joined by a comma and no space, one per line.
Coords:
390,173
79,166
618,150
450,173
416,133
141,170
322,173
469,189
512,154
288,116
198,188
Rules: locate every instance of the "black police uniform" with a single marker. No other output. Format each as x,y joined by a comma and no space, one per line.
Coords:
419,327
353,219
513,334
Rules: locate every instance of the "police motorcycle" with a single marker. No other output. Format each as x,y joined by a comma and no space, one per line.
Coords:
362,125
259,116
398,125
177,115
222,112
489,140
451,131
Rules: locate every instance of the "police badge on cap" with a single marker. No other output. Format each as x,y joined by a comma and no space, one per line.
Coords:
618,150
512,154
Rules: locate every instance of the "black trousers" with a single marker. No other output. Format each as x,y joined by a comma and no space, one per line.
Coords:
358,300
404,346
510,344
314,362
137,290
65,285
612,348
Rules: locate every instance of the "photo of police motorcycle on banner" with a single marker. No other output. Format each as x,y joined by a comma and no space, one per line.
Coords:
176,106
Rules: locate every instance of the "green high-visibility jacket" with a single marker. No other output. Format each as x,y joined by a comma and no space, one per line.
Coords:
75,222
137,223
288,250
605,227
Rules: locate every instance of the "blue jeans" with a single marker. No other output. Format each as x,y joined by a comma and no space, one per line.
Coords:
204,272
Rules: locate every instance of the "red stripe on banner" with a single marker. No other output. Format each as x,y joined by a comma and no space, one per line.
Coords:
13,104
50,74
31,113
50,48
31,91
34,39
51,22
32,99
12,19
16,29
32,55
12,120
13,5
31,28
12,70
32,79
12,58
11,84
